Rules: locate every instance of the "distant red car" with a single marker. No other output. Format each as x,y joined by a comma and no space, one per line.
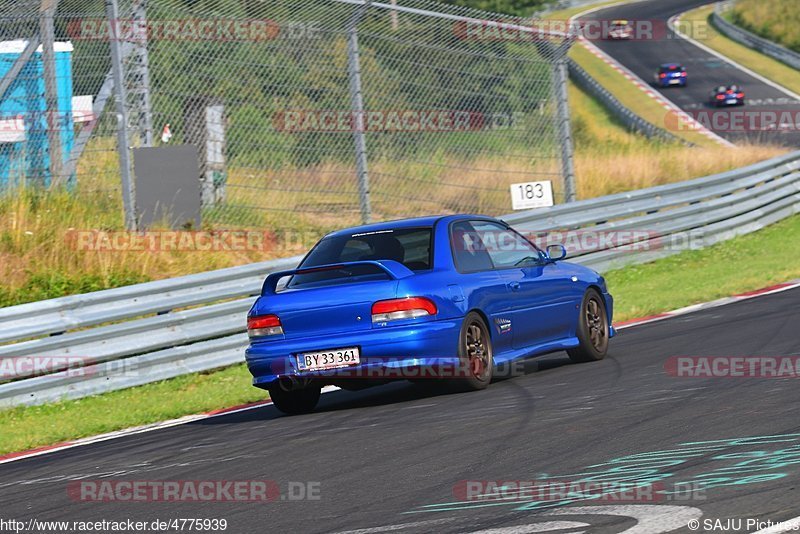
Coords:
732,95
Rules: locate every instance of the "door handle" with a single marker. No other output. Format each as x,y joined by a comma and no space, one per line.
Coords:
514,286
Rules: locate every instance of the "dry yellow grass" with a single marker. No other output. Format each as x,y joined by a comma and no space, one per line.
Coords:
606,173
38,239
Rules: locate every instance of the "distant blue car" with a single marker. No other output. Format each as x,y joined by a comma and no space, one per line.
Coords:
447,297
671,74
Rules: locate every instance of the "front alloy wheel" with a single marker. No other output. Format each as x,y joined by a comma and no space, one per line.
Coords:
593,329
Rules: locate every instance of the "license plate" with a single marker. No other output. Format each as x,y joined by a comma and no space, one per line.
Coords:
730,101
328,359
675,80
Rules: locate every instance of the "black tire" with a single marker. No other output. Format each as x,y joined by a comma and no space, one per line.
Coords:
295,401
593,329
475,354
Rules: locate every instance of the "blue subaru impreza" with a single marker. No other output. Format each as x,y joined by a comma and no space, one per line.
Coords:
447,297
670,74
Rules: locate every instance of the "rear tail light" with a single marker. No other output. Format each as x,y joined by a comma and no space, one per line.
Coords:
683,74
264,325
405,308
740,95
720,97
662,75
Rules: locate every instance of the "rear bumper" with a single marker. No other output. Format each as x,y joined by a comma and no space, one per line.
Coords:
386,353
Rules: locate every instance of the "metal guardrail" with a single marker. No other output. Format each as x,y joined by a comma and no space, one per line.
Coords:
106,357
752,40
55,316
631,120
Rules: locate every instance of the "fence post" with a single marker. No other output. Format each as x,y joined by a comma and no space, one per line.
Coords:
357,110
52,114
123,144
140,71
561,76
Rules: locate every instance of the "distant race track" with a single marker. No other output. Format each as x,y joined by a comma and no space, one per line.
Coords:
705,70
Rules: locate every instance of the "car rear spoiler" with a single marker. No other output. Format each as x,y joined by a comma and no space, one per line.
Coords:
394,269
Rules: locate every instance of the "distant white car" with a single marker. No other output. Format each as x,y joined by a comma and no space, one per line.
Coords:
620,29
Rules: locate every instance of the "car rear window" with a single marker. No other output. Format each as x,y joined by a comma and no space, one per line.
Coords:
671,68
409,246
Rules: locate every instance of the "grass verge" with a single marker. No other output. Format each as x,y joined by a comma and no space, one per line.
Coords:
745,263
697,22
776,20
28,427
566,14
748,262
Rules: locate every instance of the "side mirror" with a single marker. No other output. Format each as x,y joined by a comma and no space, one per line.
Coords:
556,252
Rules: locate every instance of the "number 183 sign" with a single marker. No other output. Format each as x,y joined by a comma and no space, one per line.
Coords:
529,195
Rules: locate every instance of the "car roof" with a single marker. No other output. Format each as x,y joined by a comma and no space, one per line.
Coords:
415,222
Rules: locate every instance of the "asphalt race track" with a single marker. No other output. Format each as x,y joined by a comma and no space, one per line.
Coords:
705,71
393,455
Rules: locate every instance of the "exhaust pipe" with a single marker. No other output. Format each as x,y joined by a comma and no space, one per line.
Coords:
288,383
291,382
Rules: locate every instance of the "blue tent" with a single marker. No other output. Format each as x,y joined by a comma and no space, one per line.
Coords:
24,144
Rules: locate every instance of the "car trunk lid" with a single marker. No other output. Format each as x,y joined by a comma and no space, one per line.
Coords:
329,299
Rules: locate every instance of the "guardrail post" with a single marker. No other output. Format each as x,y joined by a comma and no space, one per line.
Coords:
561,75
357,110
123,144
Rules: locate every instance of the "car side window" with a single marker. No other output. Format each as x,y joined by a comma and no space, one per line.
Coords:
468,252
417,246
505,247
